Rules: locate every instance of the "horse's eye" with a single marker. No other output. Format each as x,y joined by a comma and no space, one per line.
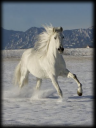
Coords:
55,38
63,37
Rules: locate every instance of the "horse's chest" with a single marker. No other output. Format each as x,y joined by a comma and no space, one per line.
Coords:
52,66
59,67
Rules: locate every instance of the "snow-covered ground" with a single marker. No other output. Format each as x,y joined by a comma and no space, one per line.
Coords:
22,107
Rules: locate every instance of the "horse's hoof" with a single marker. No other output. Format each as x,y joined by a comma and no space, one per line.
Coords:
79,93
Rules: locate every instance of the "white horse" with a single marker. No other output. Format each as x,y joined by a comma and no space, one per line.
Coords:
45,60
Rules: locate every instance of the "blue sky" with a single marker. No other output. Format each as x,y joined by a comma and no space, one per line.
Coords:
21,16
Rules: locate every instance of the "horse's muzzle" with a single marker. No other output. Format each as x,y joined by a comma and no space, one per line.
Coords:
61,49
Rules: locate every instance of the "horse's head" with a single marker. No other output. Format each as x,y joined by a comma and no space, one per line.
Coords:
52,38
58,39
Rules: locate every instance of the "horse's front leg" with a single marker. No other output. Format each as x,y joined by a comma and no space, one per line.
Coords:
70,75
56,85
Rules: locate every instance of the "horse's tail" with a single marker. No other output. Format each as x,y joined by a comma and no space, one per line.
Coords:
20,75
17,74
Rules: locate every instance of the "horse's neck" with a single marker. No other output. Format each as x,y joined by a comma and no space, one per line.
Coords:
51,59
52,53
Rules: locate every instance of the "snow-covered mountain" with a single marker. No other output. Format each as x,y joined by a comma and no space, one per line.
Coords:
76,38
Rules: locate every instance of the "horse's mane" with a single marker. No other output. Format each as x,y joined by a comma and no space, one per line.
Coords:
43,39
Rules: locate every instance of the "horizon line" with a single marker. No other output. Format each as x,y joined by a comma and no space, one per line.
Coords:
43,27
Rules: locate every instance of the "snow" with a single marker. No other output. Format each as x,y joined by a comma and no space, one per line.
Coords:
44,108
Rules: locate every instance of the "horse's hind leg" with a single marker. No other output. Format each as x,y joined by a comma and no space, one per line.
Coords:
38,85
24,78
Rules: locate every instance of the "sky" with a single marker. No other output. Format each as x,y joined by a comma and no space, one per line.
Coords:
21,16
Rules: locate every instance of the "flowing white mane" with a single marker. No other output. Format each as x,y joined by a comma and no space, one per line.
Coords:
43,40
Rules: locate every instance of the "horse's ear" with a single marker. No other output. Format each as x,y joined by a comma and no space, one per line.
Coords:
53,29
61,29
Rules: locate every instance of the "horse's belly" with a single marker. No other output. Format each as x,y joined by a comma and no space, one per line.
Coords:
37,72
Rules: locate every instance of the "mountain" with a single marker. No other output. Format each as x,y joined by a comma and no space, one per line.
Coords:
76,38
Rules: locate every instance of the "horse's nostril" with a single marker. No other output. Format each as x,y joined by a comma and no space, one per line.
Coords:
62,49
